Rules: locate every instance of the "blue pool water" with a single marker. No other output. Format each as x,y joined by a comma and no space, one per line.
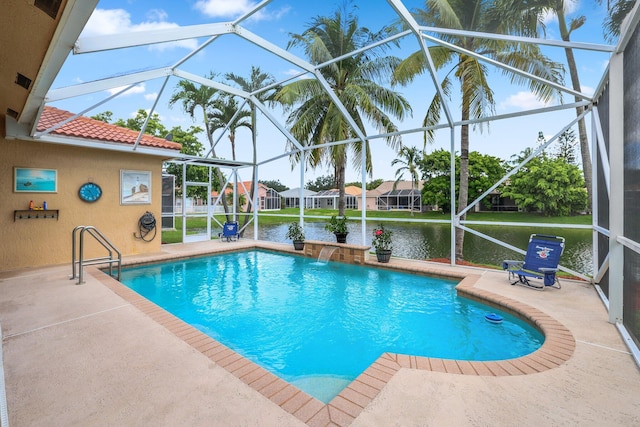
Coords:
318,326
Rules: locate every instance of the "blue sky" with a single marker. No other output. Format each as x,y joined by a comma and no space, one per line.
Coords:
280,18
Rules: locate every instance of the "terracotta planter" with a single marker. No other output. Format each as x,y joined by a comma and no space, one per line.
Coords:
383,255
341,237
298,245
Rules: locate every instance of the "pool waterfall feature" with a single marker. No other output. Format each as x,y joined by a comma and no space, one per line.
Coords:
342,252
325,253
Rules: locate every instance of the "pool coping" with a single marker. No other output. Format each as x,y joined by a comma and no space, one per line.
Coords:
557,348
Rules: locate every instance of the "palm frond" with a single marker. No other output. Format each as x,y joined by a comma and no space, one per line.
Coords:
475,88
432,117
533,62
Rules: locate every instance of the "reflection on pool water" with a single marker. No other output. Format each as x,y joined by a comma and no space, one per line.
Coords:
318,326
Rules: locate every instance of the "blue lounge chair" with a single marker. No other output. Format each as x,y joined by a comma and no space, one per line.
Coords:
229,231
540,262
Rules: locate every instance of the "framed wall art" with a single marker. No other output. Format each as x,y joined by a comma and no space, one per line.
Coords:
135,187
32,180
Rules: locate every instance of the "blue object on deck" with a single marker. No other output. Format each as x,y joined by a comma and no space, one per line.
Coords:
230,231
540,262
493,318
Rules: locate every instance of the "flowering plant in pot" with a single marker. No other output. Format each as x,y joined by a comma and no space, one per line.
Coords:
296,233
338,226
382,243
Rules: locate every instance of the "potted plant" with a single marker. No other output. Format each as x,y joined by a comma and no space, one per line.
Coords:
338,226
296,233
382,243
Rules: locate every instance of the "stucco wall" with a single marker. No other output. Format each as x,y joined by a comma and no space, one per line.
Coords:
38,242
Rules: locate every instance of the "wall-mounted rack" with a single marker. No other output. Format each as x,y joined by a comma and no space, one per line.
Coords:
35,214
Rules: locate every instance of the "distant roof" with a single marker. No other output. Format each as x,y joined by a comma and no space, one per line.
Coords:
387,186
295,192
334,192
400,193
353,190
88,128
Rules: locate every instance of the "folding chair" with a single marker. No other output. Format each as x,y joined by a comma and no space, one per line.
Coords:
229,231
540,262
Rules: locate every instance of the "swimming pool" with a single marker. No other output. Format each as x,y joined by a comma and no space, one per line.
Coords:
319,326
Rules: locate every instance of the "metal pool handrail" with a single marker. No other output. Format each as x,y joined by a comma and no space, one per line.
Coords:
81,262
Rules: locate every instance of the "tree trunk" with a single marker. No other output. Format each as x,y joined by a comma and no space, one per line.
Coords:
253,169
582,128
463,191
217,170
412,196
340,180
232,139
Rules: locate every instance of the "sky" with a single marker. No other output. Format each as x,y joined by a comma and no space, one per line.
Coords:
275,23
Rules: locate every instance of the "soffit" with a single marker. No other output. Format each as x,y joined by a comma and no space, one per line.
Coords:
35,40
26,34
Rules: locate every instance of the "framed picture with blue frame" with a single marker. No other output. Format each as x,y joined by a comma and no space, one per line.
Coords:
35,180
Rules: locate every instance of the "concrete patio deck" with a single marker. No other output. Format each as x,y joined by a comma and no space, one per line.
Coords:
86,355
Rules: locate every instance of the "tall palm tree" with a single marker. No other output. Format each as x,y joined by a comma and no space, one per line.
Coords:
502,17
221,115
558,7
409,158
355,81
194,97
224,114
256,81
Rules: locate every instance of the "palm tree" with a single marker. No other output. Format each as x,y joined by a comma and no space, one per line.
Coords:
355,81
476,94
221,115
194,97
557,7
224,114
256,81
409,158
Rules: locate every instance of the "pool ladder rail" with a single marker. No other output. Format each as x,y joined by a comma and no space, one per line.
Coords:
78,263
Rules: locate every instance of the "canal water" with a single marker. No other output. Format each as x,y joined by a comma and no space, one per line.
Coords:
428,241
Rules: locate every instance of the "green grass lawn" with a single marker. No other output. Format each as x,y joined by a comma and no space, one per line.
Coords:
291,214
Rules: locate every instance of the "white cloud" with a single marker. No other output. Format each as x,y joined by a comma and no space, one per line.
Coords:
103,22
116,21
280,13
236,8
523,101
294,72
570,7
224,8
133,91
157,15
151,96
587,90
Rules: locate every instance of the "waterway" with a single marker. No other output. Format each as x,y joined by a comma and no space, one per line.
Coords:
428,241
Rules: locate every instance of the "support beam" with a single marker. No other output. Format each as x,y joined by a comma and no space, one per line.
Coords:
143,38
616,200
105,84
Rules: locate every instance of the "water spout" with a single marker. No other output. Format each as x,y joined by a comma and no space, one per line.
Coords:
325,254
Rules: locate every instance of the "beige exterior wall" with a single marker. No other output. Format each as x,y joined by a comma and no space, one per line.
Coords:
39,242
371,203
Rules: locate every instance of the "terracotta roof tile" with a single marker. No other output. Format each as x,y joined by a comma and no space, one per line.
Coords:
88,128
